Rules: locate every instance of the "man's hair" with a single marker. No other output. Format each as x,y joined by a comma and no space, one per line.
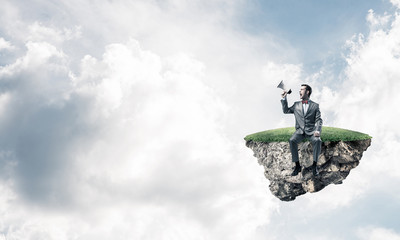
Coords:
308,88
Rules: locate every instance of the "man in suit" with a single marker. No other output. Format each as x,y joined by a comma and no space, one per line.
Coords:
308,125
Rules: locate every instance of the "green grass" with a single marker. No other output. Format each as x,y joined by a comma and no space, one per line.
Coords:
329,134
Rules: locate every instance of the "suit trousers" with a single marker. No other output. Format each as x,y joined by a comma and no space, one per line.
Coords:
297,138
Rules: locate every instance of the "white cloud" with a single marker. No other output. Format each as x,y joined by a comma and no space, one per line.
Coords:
376,233
368,95
134,139
377,21
396,3
167,120
38,33
5,45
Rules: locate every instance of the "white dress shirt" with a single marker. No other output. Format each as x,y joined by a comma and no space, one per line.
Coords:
305,107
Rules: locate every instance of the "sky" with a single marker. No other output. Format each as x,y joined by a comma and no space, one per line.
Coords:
125,119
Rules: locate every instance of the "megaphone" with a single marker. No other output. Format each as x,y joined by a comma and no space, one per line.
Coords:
282,86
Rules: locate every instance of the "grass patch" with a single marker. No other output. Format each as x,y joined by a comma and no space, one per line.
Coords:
329,134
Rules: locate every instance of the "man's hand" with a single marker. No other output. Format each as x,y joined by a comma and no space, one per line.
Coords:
284,94
317,134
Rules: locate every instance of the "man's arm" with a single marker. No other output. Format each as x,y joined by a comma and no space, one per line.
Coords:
318,122
285,107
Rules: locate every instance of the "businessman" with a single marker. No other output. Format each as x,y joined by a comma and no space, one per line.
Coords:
308,125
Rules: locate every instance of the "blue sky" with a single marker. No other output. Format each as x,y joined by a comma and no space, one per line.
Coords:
317,30
125,119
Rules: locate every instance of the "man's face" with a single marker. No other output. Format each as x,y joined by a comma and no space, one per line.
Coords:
303,93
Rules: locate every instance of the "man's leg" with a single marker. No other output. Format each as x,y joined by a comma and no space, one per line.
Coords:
316,142
293,141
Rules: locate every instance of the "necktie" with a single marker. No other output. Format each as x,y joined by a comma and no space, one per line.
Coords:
305,101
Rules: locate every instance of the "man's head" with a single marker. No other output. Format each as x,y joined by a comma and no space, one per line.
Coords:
305,92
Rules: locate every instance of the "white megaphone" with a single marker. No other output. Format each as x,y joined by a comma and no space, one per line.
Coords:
282,86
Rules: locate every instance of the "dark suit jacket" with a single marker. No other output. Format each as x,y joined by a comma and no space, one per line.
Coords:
308,122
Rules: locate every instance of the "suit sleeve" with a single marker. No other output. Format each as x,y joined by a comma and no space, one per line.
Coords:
318,120
285,107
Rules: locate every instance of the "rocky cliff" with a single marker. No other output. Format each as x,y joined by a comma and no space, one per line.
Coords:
334,164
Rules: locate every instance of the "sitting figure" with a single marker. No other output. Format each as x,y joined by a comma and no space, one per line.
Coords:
308,125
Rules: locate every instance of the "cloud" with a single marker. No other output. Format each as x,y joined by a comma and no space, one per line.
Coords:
372,233
130,139
395,3
38,32
369,92
163,119
5,45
